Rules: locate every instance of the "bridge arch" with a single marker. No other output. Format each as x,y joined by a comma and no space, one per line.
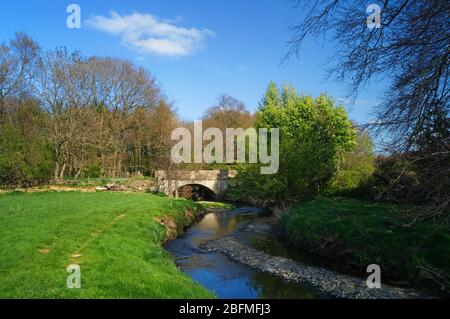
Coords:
196,192
215,181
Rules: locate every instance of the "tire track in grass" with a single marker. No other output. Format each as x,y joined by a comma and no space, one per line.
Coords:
94,235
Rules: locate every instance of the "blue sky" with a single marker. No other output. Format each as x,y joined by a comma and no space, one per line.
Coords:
196,49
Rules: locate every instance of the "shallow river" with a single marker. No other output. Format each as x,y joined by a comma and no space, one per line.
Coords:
216,272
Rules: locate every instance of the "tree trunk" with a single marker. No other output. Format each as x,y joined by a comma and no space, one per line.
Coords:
61,174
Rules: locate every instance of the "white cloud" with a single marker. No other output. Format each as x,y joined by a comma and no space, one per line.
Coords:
146,33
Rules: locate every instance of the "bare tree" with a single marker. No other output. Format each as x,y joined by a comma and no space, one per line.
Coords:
54,79
228,112
163,122
410,50
101,116
97,106
16,64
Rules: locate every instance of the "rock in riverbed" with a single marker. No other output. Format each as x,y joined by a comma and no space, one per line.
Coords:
326,282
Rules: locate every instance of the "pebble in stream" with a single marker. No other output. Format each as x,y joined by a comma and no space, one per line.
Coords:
326,282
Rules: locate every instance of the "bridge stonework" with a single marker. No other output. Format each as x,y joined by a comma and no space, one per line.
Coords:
215,180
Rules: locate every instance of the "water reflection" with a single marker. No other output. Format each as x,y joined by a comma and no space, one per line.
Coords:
227,279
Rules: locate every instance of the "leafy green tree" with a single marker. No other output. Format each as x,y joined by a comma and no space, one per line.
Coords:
23,161
314,134
357,165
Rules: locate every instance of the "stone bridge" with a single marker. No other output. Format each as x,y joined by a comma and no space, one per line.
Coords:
214,182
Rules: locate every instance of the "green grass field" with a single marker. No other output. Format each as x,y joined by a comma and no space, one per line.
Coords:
375,234
113,237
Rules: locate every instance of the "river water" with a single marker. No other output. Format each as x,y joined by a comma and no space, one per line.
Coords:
224,277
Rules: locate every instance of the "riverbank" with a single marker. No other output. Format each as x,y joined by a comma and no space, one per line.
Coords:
324,282
115,238
358,233
216,271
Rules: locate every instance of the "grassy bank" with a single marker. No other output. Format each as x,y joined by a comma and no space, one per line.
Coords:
208,205
114,237
363,233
